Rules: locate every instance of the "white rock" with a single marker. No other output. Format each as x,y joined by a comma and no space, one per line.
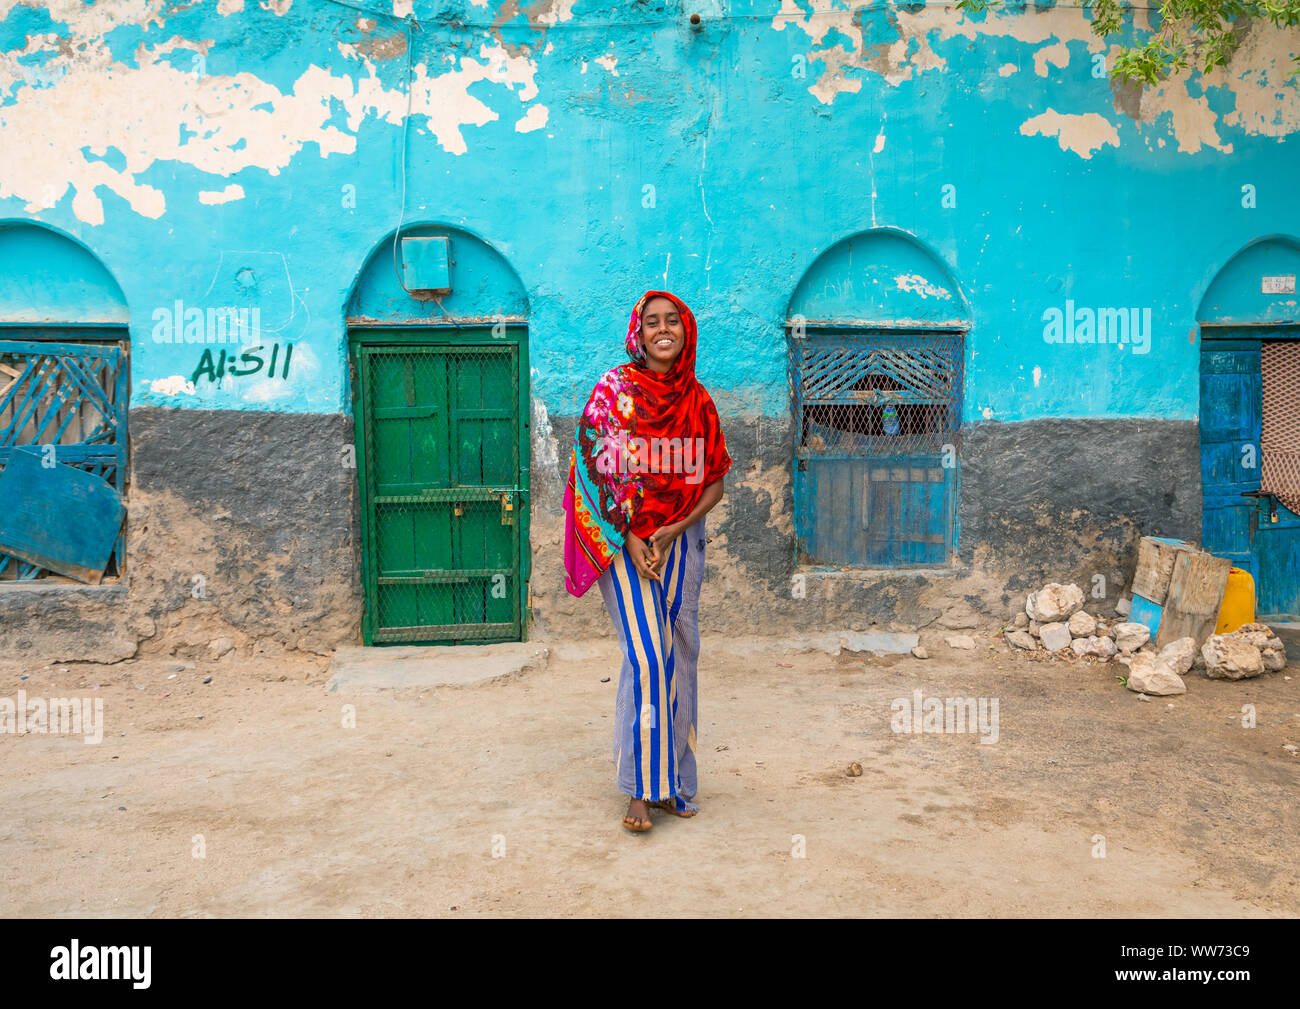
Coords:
920,652
1082,624
1034,627
1054,636
1053,602
1021,639
1257,634
1272,650
1021,620
1149,675
1130,637
1179,655
1274,659
960,641
1230,658
1123,607
1096,645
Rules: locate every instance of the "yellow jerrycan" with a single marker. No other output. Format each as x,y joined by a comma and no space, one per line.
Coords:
1238,602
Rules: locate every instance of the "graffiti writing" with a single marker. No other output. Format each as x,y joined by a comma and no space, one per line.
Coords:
250,362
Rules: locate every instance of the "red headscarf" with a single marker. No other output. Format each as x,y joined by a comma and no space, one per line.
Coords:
637,421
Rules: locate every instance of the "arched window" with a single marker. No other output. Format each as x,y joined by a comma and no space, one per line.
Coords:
876,330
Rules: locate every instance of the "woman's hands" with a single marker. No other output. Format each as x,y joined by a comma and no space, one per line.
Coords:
651,554
661,541
645,557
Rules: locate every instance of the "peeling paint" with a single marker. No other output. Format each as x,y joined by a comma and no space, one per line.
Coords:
1266,103
233,191
1057,55
534,119
917,284
172,385
1082,134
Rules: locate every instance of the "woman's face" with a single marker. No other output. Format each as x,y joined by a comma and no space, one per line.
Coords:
662,334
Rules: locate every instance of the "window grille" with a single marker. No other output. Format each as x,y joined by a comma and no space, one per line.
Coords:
877,415
72,395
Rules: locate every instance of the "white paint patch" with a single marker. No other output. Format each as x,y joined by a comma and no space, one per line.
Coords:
1038,374
281,7
880,143
916,284
230,193
987,413
609,62
559,10
173,385
1007,69
534,119
403,8
227,7
220,124
1081,133
1057,55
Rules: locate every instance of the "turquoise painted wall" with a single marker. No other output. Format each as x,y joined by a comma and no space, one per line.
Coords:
234,156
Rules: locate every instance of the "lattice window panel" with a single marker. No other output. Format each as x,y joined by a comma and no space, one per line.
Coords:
876,392
72,395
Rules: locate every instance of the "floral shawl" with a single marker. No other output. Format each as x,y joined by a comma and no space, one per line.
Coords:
647,445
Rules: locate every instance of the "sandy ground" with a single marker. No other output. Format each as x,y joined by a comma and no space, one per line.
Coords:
499,799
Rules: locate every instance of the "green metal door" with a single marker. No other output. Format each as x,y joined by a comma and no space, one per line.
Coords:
442,460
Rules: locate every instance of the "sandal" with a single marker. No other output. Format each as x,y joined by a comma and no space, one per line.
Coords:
670,806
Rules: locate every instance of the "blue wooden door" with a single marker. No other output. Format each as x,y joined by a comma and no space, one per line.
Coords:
1230,425
1258,534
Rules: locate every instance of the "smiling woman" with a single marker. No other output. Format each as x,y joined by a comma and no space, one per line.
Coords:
637,530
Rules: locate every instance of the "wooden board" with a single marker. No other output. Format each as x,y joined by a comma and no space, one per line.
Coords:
1196,587
58,516
1155,566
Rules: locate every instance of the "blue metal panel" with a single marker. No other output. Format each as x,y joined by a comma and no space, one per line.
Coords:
426,264
57,516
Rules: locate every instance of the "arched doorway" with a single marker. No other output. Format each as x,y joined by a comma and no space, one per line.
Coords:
64,390
1250,420
438,346
876,328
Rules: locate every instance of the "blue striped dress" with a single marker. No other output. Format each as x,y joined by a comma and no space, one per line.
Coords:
658,630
